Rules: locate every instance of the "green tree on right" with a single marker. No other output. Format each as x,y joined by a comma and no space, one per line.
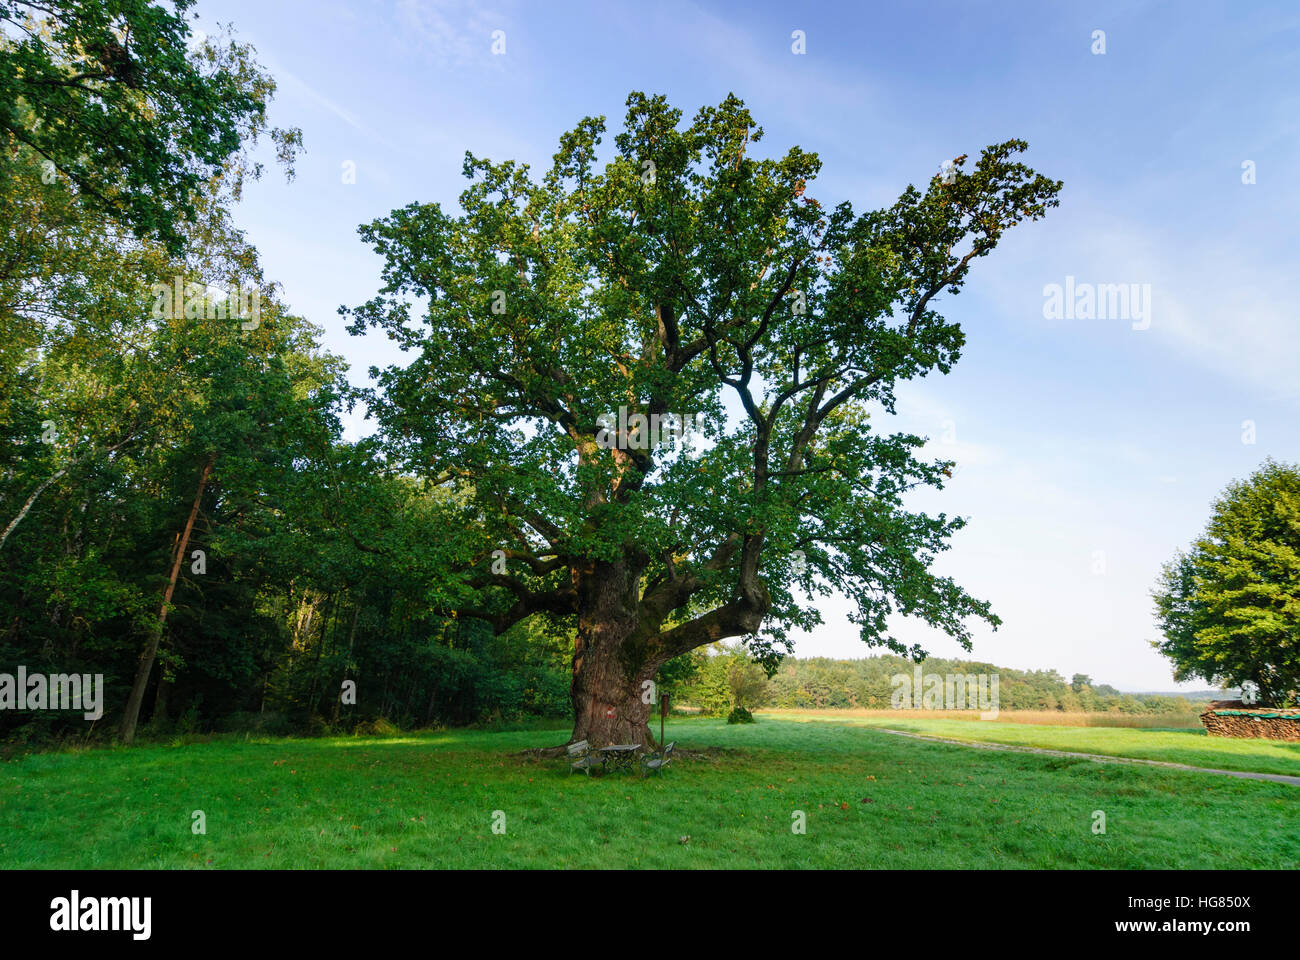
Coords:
1229,607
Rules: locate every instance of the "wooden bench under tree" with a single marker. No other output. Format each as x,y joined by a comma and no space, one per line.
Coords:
657,761
583,757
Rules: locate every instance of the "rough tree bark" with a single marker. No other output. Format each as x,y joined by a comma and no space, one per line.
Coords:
610,662
620,645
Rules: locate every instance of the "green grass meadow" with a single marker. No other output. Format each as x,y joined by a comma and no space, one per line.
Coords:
871,800
1188,746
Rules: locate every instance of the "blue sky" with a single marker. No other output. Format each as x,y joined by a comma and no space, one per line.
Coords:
1088,451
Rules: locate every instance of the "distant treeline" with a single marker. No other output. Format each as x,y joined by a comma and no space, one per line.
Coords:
726,679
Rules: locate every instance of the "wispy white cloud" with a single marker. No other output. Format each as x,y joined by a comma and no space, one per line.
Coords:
944,425
453,32
294,85
1221,300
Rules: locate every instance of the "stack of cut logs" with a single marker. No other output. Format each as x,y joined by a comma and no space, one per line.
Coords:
1232,718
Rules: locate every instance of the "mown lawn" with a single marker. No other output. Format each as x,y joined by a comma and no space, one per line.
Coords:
1191,747
871,799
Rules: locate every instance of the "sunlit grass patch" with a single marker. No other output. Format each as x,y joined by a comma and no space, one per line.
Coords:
869,799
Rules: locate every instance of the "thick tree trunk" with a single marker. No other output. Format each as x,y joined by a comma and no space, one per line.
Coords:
611,665
608,701
621,643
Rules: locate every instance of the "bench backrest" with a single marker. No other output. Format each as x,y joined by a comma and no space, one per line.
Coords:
669,749
577,748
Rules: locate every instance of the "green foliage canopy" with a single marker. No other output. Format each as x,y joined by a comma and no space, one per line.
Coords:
683,272
1229,607
116,98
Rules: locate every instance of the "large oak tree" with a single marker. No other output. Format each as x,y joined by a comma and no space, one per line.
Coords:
686,276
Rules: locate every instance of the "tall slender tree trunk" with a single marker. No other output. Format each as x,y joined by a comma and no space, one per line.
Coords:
27,506
161,690
131,715
160,695
352,636
4,535
330,604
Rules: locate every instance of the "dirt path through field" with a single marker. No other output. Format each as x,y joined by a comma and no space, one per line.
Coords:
1100,758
